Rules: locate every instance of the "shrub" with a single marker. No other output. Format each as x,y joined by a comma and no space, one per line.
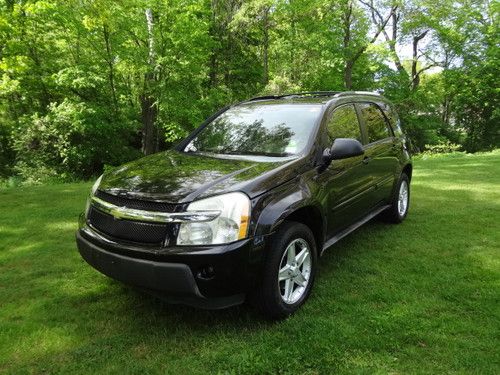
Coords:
446,147
72,141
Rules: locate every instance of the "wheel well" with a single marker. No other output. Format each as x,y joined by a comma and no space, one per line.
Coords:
311,217
408,169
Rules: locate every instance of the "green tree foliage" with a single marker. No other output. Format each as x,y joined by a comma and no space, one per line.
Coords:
70,138
474,86
85,83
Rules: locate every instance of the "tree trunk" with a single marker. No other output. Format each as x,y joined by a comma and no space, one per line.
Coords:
148,117
212,75
111,71
266,45
214,33
348,74
349,63
349,57
415,75
149,109
445,116
378,21
392,44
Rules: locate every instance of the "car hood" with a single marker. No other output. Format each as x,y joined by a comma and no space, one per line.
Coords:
177,177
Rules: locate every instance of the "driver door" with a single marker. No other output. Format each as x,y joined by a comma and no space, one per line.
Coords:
348,181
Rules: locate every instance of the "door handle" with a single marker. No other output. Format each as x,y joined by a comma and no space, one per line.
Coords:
366,160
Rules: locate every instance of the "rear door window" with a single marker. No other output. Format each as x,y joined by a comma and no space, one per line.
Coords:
376,125
344,123
392,116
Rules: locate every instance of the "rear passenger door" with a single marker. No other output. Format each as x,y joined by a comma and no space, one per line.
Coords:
381,151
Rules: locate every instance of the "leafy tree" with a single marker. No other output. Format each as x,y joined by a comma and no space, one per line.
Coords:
84,83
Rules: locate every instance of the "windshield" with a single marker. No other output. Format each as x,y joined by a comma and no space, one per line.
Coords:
258,129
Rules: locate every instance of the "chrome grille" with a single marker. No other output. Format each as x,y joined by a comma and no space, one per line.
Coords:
134,231
130,230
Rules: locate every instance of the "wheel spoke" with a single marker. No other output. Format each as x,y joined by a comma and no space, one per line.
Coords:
300,279
288,290
284,273
302,257
290,256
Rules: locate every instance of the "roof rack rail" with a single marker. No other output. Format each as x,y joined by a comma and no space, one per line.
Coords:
264,97
334,94
295,95
314,93
344,93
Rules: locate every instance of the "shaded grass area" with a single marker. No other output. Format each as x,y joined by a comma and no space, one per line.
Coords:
420,297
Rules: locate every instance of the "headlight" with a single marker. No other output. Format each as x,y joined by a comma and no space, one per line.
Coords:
96,185
92,192
231,225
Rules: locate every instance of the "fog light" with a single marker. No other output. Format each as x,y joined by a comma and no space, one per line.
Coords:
206,273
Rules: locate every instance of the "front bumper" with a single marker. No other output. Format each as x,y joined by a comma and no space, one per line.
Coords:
174,274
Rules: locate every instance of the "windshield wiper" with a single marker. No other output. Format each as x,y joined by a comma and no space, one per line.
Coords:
257,153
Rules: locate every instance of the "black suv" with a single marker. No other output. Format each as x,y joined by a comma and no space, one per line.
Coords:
245,206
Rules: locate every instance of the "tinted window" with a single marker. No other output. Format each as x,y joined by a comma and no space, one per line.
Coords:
258,129
375,122
344,124
392,116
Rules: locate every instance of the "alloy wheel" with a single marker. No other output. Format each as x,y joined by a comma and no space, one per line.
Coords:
403,198
295,271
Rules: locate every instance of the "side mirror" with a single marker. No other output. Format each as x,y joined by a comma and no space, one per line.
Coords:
344,148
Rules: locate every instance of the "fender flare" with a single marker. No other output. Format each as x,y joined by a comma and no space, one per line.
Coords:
275,208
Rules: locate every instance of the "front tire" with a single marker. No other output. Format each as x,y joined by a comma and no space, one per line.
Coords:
289,271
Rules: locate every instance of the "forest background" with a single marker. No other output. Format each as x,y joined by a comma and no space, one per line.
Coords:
86,84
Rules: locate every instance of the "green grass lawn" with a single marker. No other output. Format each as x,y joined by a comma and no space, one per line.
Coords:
420,297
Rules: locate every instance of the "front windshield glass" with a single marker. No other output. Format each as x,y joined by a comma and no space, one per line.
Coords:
258,129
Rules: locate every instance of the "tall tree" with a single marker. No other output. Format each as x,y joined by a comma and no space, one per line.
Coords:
148,102
353,52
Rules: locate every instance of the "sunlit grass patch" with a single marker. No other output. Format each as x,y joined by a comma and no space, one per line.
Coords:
420,297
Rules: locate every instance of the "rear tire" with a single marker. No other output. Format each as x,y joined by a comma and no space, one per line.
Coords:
400,201
289,271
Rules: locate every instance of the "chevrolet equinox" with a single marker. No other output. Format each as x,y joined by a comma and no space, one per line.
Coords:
244,207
